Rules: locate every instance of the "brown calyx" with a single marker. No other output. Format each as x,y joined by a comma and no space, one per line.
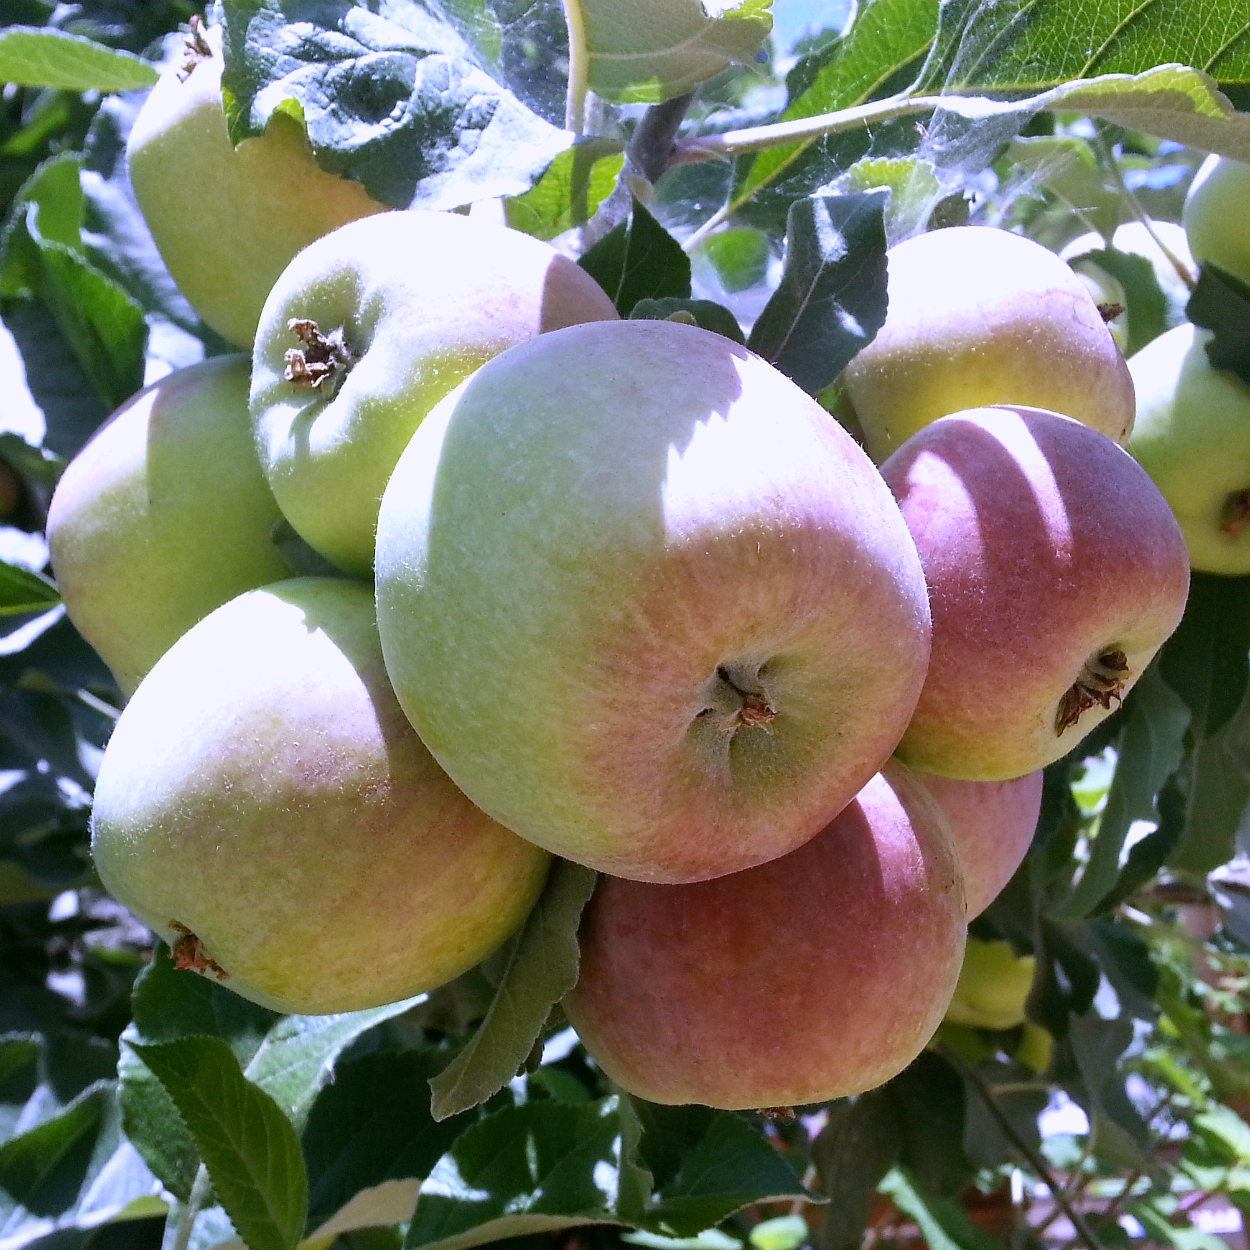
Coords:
784,1114
188,952
196,49
1109,312
736,708
323,361
1235,515
1100,682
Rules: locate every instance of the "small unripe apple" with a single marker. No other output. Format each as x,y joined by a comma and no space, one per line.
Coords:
982,316
1055,570
366,331
1214,215
227,220
1193,437
163,516
264,806
816,976
993,985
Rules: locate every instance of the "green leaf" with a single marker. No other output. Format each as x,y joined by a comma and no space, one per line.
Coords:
645,52
1224,1130
1221,303
943,1223
24,591
395,100
913,185
571,190
34,57
639,259
1161,1231
541,969
701,312
534,1168
858,1145
831,298
1149,312
1068,166
739,256
1219,795
248,1145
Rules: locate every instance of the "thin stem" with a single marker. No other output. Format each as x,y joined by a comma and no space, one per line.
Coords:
195,1200
651,147
1112,1209
579,68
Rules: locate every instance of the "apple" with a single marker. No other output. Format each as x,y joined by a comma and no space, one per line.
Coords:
816,976
163,516
227,220
646,602
982,316
1193,437
1055,569
993,985
1135,239
264,806
366,331
1214,215
992,825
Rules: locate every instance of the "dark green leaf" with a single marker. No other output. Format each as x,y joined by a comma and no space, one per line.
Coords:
831,300
42,1168
248,1145
1149,313
33,57
24,591
858,1145
639,259
541,969
1219,793
1147,856
943,1223
740,257
701,312
928,1097
567,195
1221,303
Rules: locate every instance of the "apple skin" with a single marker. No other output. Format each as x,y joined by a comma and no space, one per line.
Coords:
422,299
227,220
1047,551
992,825
163,516
982,316
1193,437
993,986
263,790
1214,215
646,602
816,976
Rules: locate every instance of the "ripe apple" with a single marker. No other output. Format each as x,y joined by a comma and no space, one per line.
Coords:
983,316
1193,437
646,602
367,331
993,985
992,825
264,807
227,220
815,976
1214,215
1056,570
163,516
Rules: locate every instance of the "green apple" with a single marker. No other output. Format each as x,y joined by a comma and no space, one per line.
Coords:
819,975
1056,571
993,985
1135,239
646,602
982,316
227,220
1193,437
1214,215
264,806
163,516
366,331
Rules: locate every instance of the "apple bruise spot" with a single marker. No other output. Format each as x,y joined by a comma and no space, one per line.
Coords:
1235,515
196,49
736,708
1101,681
323,361
188,952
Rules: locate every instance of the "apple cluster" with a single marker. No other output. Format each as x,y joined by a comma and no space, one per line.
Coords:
458,571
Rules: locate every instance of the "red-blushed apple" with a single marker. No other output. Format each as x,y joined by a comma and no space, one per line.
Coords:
1056,571
163,516
366,331
818,975
227,220
991,824
646,602
983,316
264,806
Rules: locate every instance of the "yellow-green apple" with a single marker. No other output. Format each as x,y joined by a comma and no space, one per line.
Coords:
227,220
264,806
993,985
1056,570
992,824
163,516
1193,437
1214,215
366,331
982,316
818,975
646,602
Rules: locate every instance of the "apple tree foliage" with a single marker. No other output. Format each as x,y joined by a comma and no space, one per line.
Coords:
141,1106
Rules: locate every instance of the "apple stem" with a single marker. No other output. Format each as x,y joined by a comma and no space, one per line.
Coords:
1101,681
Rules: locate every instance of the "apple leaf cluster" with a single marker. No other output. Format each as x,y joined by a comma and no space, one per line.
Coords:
136,1098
